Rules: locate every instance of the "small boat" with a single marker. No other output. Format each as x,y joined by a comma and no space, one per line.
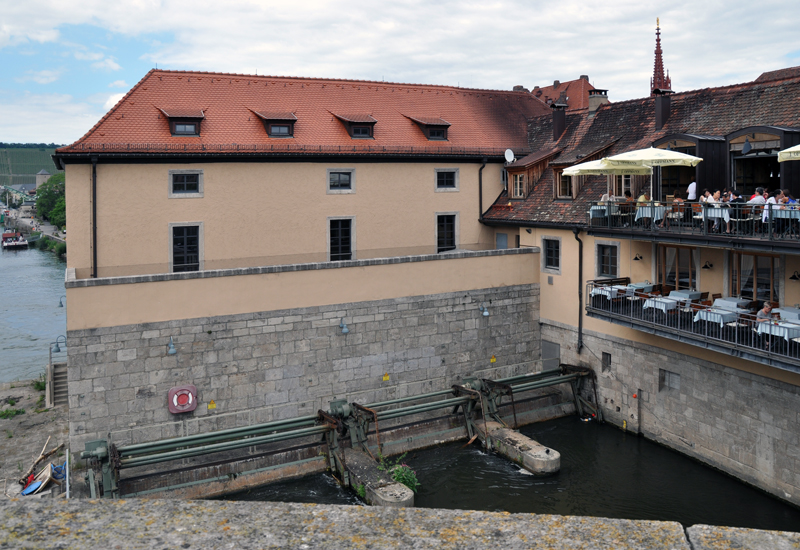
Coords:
13,240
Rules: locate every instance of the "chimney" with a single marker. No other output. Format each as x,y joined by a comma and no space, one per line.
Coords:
556,84
559,117
584,77
519,88
597,97
662,106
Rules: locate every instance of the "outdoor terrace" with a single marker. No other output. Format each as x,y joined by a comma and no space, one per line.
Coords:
724,325
759,227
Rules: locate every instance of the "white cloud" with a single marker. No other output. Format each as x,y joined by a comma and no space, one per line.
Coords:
40,77
118,84
55,118
112,100
88,56
107,63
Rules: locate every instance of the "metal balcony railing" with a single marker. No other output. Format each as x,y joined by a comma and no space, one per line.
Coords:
727,325
769,222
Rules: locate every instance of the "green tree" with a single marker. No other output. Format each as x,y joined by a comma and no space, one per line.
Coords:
58,215
48,194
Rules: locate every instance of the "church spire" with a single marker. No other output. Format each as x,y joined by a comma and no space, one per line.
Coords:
659,81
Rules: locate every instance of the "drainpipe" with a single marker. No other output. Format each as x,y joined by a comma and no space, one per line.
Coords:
94,217
575,232
480,189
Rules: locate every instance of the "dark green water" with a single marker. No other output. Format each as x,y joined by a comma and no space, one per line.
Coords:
604,473
31,282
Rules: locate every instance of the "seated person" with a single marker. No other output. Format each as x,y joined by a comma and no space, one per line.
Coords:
677,208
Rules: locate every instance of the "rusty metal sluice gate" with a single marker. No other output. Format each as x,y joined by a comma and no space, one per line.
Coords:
477,399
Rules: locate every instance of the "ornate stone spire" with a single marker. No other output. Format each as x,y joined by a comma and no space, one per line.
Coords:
659,81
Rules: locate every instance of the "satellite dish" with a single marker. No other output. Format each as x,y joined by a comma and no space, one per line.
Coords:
509,155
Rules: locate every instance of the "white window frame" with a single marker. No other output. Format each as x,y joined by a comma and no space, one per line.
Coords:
352,235
561,176
436,230
597,245
543,253
625,183
197,195
518,180
438,189
200,244
350,191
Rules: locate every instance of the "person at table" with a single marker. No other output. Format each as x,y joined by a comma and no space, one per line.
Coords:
773,200
691,191
644,197
755,196
765,313
677,208
735,197
704,196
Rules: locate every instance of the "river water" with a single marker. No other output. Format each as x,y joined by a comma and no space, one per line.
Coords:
31,283
604,473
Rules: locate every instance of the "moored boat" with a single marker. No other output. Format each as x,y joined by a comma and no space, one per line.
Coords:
12,240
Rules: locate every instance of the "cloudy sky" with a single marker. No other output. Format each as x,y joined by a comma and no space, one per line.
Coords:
65,63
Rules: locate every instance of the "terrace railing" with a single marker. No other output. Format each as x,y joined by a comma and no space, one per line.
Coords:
734,331
772,222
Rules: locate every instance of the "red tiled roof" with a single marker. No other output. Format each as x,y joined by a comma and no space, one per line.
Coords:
780,74
177,112
628,125
356,118
428,121
482,121
533,158
267,115
576,90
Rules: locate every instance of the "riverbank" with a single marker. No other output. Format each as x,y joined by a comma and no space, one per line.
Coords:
22,436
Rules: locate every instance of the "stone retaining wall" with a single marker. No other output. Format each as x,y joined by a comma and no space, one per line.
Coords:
282,364
745,425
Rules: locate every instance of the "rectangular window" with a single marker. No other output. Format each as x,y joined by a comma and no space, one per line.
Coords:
668,380
362,131
445,232
280,130
437,134
341,240
606,362
518,190
552,254
606,260
186,128
621,184
676,267
339,180
564,186
445,179
755,277
185,248
185,183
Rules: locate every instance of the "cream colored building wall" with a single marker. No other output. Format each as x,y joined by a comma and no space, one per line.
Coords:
266,210
559,301
149,302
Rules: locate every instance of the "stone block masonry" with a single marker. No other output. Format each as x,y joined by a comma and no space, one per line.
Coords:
743,424
281,364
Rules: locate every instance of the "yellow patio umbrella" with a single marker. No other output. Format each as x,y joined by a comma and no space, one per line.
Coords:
602,168
654,157
792,153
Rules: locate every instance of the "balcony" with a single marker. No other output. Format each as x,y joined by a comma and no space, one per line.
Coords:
724,326
758,227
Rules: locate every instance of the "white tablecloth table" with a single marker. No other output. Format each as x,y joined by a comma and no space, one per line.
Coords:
731,303
787,331
641,287
786,213
792,313
712,315
686,295
713,212
604,210
654,212
610,292
665,303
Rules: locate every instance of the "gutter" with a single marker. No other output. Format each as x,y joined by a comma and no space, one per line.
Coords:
527,223
94,217
480,189
575,232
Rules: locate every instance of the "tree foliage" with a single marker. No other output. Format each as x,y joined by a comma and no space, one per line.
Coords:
58,215
48,196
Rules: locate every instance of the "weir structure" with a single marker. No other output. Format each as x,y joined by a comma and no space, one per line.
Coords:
349,428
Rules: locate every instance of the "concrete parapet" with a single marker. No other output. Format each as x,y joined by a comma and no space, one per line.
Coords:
379,488
530,454
712,537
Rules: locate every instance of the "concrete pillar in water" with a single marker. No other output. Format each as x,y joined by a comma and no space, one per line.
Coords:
379,487
530,454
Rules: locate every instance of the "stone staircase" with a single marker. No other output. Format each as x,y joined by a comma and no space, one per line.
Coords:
60,385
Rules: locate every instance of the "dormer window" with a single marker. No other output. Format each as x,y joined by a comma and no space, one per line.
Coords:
184,122
277,125
434,128
360,126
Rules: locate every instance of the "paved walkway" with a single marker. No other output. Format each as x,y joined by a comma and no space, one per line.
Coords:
23,436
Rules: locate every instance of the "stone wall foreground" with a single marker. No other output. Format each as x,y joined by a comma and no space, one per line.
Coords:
746,425
214,524
273,365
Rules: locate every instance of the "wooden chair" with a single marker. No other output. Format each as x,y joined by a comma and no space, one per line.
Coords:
775,305
704,296
697,213
716,296
706,302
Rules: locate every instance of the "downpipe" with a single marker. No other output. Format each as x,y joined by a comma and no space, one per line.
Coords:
576,231
480,189
94,217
